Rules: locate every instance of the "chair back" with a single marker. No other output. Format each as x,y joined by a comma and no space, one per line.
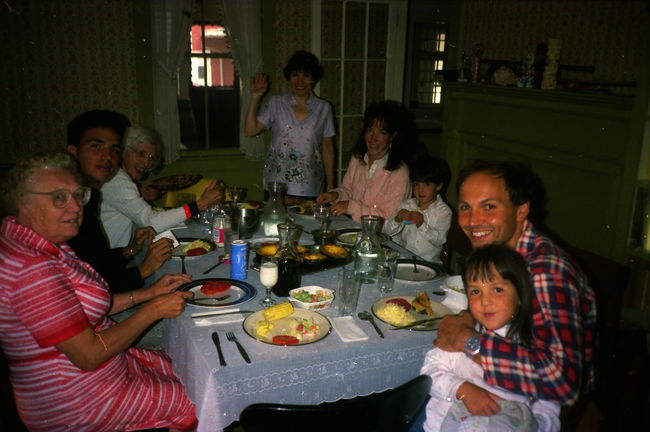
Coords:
390,411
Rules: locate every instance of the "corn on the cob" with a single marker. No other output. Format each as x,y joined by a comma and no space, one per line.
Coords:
278,311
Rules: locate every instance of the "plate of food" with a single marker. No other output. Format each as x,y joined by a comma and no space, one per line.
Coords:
304,208
269,248
283,325
404,310
417,271
193,247
348,236
175,182
216,292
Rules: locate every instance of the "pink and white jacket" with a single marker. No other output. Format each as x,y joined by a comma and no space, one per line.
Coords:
378,195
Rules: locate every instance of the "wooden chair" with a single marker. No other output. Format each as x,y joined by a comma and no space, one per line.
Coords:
455,248
389,411
600,409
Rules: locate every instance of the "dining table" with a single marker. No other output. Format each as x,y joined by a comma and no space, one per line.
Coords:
327,370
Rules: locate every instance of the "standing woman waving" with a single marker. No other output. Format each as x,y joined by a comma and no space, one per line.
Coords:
301,153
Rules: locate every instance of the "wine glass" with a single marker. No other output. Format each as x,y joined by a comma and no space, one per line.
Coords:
268,278
238,194
321,214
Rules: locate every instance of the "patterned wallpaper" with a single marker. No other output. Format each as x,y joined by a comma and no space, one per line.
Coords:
60,58
293,27
601,33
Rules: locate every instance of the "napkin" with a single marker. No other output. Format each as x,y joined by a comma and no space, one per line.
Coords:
200,320
167,234
453,299
348,330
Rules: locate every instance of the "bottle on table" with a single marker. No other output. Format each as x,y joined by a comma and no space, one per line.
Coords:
367,252
274,211
288,260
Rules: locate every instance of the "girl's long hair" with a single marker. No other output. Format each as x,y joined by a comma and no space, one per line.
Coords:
482,264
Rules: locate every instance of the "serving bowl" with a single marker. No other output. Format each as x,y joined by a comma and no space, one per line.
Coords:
248,220
312,305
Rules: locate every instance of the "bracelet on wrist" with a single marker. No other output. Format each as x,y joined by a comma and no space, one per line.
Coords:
132,299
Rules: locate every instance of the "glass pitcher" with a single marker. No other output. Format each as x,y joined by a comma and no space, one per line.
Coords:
288,259
274,211
368,253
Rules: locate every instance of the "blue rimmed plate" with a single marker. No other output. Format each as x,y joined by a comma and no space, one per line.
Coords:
238,292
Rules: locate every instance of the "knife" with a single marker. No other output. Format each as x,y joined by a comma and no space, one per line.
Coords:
210,314
215,339
417,323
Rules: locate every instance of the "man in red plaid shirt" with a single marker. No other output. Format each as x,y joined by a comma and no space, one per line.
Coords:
494,204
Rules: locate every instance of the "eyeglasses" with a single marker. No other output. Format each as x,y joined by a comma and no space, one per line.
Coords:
61,197
143,155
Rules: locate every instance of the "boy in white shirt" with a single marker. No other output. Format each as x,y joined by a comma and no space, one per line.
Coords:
425,217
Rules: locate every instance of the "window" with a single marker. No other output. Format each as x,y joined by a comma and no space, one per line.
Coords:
208,102
361,46
428,62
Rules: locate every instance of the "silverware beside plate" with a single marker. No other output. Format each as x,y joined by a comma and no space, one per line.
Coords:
423,322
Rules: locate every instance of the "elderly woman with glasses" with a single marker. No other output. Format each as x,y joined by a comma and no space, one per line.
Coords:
71,366
123,208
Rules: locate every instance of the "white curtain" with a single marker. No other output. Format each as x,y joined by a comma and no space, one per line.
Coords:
171,21
243,23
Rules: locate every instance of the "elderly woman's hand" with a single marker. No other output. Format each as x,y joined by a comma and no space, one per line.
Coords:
211,195
167,284
158,252
167,305
327,197
259,85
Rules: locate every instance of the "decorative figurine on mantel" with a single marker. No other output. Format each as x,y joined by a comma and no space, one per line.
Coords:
527,73
549,82
476,61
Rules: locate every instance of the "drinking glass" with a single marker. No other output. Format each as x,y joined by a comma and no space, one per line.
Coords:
387,270
349,289
321,214
268,278
238,194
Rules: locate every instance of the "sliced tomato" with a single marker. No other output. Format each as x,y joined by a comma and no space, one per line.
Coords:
214,287
285,340
196,251
401,302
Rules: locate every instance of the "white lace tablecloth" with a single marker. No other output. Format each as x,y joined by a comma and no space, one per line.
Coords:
324,371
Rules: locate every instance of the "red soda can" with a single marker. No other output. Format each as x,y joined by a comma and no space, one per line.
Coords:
238,260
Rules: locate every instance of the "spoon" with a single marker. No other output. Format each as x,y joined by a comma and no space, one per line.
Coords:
365,315
415,265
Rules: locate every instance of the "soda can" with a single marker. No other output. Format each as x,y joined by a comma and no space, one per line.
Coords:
238,260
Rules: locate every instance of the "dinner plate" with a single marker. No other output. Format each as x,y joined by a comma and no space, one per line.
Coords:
348,236
426,271
296,210
438,311
178,251
175,182
282,325
239,292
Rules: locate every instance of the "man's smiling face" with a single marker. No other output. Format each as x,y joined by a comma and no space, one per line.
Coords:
98,155
486,213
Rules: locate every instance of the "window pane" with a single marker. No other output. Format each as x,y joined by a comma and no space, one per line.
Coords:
215,40
355,29
353,87
376,81
377,35
331,29
196,40
330,86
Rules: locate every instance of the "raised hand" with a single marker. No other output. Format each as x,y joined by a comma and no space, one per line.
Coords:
259,85
211,195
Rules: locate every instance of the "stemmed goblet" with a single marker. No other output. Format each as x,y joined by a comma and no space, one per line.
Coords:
321,214
268,278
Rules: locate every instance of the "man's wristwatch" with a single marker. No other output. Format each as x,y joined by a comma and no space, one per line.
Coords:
472,346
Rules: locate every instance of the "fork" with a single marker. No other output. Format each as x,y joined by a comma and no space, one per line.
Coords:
231,337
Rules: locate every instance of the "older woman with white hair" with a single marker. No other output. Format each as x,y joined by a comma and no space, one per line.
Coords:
123,209
71,366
